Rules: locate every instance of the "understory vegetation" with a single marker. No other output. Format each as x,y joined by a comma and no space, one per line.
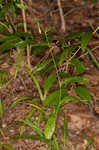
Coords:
58,69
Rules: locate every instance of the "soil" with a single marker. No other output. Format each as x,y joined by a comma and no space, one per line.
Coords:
80,16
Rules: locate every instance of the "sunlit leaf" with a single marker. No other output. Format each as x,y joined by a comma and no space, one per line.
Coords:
80,67
85,39
84,93
50,127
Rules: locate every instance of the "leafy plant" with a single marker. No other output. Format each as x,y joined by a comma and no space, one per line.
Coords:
54,93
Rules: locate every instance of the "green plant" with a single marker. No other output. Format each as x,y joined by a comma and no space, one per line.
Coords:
54,93
56,98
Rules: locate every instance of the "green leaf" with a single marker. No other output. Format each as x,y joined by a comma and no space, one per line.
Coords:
22,6
66,53
34,127
84,93
37,85
80,67
89,143
63,42
75,35
48,29
42,44
41,66
4,9
70,98
55,143
84,40
3,28
23,43
1,109
55,97
19,100
38,25
29,115
29,136
48,83
5,146
19,59
11,37
75,79
95,61
65,132
50,127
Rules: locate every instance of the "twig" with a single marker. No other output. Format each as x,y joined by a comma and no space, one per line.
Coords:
63,25
25,29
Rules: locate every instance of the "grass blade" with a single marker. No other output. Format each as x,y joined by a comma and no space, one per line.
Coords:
20,100
29,136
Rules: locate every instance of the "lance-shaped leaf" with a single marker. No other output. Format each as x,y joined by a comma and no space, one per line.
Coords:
19,100
50,127
95,61
34,127
49,82
18,62
80,67
85,39
75,79
70,98
84,93
55,97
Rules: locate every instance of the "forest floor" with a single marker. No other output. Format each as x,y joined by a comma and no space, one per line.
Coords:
80,16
